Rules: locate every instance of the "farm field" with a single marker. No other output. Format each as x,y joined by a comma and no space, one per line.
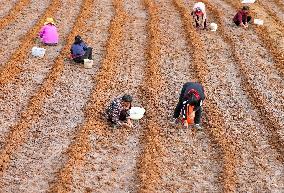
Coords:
52,134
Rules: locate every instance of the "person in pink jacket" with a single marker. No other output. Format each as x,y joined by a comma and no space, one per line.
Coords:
48,33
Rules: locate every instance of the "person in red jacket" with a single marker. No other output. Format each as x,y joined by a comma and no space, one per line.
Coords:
242,18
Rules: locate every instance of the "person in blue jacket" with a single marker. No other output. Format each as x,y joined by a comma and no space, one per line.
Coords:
192,93
80,51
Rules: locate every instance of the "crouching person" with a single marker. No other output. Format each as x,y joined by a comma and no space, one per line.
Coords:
118,112
192,94
80,51
242,18
48,33
199,15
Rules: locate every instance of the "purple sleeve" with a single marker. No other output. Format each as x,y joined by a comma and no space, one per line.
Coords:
41,31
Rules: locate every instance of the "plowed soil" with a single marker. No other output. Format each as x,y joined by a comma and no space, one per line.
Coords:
53,137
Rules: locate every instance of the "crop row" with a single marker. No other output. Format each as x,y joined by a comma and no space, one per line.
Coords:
149,173
254,96
103,80
13,67
18,133
280,4
273,15
270,44
216,124
13,12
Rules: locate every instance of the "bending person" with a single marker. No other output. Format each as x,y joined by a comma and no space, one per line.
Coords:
192,94
199,15
80,51
242,18
117,112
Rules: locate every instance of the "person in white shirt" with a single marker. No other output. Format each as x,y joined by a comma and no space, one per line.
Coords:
199,15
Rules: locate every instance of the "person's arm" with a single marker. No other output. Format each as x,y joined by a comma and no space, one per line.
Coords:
184,113
71,50
85,47
240,18
41,32
204,17
184,110
245,17
115,114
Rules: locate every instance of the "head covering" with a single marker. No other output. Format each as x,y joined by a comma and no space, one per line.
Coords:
49,20
127,98
78,39
246,8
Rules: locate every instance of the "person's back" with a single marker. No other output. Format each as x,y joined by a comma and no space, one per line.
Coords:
78,49
49,34
196,86
192,94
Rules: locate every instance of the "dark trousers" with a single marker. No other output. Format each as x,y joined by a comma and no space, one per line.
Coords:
198,112
248,20
197,23
87,55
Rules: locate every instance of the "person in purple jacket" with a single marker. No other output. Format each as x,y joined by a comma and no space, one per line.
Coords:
242,18
48,33
80,51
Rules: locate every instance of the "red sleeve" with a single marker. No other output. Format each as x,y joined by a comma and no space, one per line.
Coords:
240,17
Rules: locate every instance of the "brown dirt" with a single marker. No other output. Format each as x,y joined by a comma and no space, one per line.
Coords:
13,30
52,135
9,4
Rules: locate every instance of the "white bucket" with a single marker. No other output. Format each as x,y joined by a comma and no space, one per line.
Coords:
136,113
258,21
213,26
38,52
88,63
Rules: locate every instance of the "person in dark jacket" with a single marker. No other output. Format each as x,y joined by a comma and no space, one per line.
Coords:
242,18
192,93
117,112
80,51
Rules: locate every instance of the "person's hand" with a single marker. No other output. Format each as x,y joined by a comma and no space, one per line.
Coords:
125,125
244,25
130,123
192,115
185,124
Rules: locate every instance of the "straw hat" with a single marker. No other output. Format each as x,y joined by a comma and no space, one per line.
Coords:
213,26
49,20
